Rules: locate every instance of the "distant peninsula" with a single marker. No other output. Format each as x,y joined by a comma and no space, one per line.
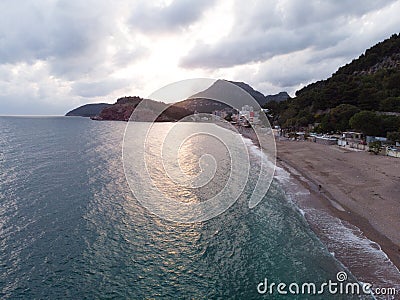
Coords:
87,110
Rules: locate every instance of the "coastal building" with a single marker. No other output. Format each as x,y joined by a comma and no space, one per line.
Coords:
325,140
301,135
235,118
393,151
243,121
196,116
220,114
353,139
353,136
247,113
371,139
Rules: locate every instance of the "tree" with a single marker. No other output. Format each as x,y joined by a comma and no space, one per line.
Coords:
362,83
390,123
340,116
287,115
390,104
325,125
304,118
393,136
375,147
366,121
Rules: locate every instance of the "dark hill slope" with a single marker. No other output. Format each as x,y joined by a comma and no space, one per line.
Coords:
87,110
370,82
124,107
366,82
222,89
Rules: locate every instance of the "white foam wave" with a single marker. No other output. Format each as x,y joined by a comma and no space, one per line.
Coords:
344,241
354,249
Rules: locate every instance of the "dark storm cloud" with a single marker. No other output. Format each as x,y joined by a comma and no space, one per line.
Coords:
179,14
269,28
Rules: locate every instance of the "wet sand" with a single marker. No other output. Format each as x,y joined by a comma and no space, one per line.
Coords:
359,190
350,199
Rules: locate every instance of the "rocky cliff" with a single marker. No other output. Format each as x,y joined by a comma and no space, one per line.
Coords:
149,111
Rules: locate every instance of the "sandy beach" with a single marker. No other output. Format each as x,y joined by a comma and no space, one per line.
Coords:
351,200
359,189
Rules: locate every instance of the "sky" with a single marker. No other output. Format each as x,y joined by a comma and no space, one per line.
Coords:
57,55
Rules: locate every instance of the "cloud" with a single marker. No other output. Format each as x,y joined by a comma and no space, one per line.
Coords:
98,88
292,70
73,36
254,47
28,89
266,29
55,52
41,30
55,55
179,14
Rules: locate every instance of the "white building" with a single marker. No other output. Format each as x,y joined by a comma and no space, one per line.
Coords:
249,114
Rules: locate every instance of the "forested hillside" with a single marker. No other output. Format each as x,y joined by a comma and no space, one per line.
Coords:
369,83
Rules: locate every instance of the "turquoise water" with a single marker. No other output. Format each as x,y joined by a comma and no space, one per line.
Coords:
70,228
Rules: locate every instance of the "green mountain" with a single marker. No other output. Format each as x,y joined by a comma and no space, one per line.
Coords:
369,83
281,96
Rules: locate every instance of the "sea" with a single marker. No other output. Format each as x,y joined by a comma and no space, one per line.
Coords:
72,228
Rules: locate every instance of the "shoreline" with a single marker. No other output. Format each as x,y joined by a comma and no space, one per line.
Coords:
370,255
343,225
343,213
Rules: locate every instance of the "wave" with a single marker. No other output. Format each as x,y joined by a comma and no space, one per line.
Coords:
346,242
